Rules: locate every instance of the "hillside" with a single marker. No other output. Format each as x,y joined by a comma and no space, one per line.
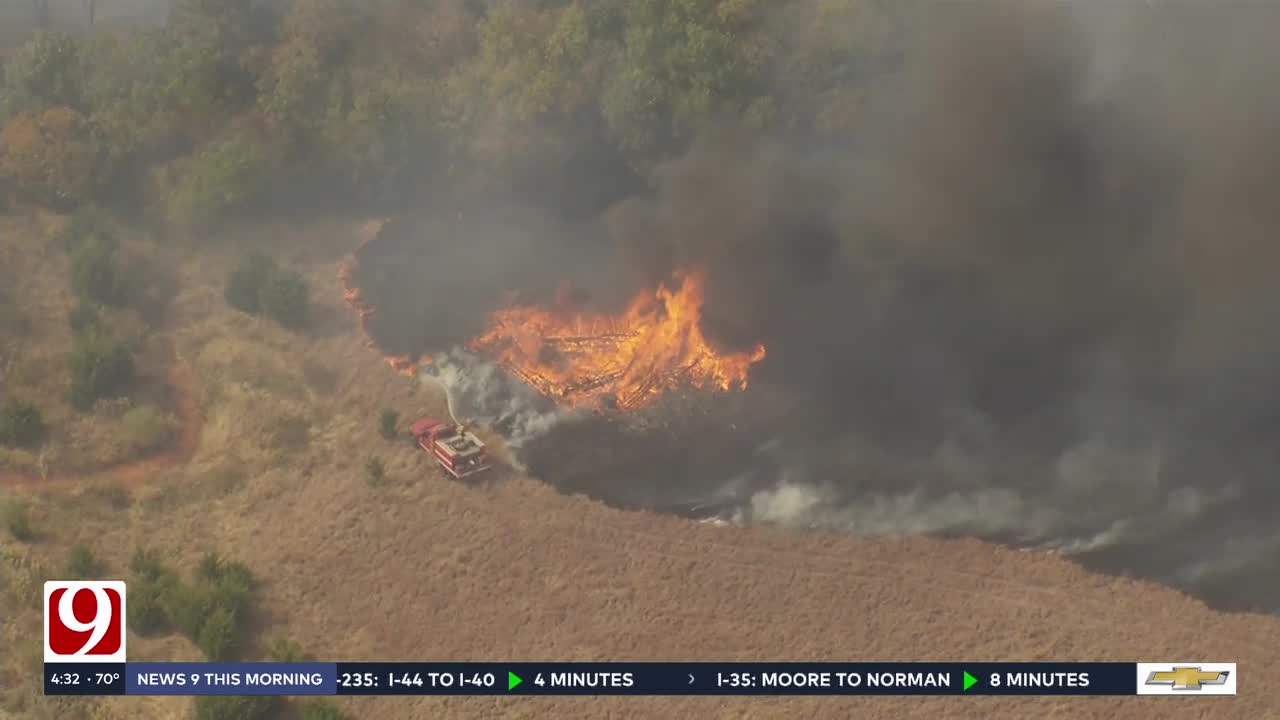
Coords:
427,568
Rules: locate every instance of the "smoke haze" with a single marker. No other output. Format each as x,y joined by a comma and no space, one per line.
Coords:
1035,300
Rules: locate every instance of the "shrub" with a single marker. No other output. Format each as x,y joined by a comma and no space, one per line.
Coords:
219,636
82,565
83,317
22,425
187,607
147,565
376,471
237,707
246,281
258,286
146,428
221,179
18,521
389,423
95,275
150,592
148,597
87,223
101,365
284,650
284,298
322,709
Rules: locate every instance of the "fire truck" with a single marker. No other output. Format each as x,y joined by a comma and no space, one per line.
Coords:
456,448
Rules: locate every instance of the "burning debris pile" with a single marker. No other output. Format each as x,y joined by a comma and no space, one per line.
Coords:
617,362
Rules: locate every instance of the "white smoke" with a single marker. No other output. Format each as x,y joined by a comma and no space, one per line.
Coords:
480,391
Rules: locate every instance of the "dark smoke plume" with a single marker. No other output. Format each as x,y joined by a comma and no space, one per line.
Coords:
1035,300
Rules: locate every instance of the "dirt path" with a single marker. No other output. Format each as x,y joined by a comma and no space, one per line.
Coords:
132,472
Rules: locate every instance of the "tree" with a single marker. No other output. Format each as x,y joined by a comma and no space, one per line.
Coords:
100,366
94,272
246,281
284,298
220,180
43,73
46,157
218,636
683,61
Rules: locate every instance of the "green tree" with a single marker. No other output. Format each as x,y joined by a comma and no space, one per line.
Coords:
43,73
220,180
101,365
284,298
95,275
246,282
683,62
219,636
22,425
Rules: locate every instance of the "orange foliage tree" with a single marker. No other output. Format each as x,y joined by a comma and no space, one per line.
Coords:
46,157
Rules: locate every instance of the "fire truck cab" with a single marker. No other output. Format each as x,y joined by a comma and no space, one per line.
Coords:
457,449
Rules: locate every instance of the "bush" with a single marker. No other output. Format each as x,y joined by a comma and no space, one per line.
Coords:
101,365
147,565
246,281
237,707
87,223
147,429
376,470
95,275
219,636
83,317
221,179
258,286
22,425
82,565
284,298
322,709
389,423
148,597
17,521
283,650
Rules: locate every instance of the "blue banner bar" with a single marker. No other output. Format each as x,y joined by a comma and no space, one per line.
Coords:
230,678
591,679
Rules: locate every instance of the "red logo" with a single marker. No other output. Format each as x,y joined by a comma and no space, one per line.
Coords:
84,621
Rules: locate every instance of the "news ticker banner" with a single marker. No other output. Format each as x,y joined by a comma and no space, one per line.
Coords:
317,678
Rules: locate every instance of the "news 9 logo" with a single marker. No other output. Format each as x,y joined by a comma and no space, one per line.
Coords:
84,621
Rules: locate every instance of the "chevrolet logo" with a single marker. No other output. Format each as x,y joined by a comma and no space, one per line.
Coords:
1187,678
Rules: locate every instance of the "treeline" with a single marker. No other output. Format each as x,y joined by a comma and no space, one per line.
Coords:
245,106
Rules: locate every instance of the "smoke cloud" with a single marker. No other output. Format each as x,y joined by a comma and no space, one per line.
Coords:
1035,300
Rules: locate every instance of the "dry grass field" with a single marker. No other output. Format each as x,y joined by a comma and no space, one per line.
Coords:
421,568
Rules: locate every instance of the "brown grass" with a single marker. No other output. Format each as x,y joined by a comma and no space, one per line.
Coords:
429,569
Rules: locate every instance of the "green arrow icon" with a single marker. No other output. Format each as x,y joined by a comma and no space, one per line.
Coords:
513,680
969,681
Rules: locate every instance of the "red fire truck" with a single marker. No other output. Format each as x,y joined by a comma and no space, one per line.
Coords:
457,449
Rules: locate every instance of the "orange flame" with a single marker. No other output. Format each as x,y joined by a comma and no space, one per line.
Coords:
581,359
